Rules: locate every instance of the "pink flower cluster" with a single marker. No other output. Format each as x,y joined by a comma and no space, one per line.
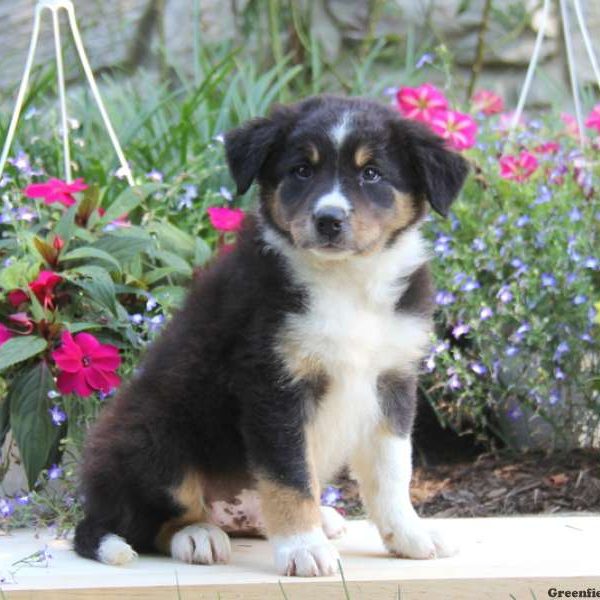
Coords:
427,104
518,168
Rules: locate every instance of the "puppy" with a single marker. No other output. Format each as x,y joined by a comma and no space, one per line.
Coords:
294,355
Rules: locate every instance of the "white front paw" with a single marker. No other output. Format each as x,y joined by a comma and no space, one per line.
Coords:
201,544
413,540
305,555
334,525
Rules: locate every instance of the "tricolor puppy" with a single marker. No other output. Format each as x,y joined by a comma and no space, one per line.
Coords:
294,355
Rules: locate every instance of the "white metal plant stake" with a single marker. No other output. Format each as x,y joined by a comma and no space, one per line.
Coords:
54,6
564,11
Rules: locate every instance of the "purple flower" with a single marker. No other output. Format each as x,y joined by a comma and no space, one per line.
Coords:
155,176
478,245
57,415
561,349
444,298
430,363
586,337
515,413
441,347
548,280
454,382
523,220
554,397
470,284
511,351
331,496
559,374
591,263
151,304
225,193
479,368
579,299
575,214
485,313
504,294
426,59
54,472
459,330
6,508
501,219
524,328
136,319
544,195
24,500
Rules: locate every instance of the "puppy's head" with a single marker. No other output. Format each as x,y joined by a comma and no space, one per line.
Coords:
341,177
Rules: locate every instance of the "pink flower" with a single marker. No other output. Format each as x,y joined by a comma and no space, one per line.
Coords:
458,129
506,119
86,365
5,334
518,168
487,102
226,219
17,297
570,122
43,287
420,103
547,148
55,190
593,120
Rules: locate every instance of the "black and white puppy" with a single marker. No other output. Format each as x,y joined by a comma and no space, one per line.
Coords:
294,355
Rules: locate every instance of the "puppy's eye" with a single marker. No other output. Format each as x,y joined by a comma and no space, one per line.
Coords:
303,171
370,175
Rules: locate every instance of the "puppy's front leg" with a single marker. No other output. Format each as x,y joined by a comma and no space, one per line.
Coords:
383,466
289,491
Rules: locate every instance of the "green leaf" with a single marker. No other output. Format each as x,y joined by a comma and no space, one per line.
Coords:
151,277
173,239
170,296
98,284
174,261
124,247
202,253
87,252
128,200
81,326
66,226
4,418
30,422
18,349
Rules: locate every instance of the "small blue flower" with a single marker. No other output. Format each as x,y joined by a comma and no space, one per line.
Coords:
57,415
460,330
515,413
6,508
430,363
501,219
458,277
331,496
554,397
575,214
426,59
55,472
155,176
53,394
470,285
559,374
136,319
444,298
511,351
478,245
579,299
561,349
23,500
586,337
548,280
225,193
544,195
591,263
485,313
441,347
523,220
504,294
454,382
479,368
151,304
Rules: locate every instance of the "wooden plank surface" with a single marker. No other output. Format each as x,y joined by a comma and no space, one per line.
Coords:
519,556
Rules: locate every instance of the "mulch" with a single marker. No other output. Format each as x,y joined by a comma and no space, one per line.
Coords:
493,485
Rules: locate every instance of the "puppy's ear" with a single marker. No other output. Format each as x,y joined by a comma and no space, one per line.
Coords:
248,147
440,171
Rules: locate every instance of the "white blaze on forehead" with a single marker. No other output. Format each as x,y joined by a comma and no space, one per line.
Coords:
339,132
334,199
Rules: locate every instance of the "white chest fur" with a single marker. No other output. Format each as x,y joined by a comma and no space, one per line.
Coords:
352,333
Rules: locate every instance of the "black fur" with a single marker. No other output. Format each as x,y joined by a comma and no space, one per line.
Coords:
398,395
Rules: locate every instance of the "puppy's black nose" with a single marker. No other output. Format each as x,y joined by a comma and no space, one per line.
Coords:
329,221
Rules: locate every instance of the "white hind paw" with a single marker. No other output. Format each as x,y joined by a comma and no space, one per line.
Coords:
201,544
114,550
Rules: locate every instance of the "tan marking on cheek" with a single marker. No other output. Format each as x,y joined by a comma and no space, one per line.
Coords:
404,212
366,229
276,211
189,495
313,154
362,156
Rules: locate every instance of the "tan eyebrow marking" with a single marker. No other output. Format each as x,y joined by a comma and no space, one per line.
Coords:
313,154
362,156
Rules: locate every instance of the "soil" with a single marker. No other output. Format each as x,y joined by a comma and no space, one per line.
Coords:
490,485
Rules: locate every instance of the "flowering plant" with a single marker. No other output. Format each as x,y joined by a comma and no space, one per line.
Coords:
88,276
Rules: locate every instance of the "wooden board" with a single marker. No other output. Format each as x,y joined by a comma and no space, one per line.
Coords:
518,557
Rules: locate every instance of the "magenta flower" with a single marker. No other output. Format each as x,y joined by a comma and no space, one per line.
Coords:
571,127
86,365
518,168
506,119
420,103
486,102
5,334
55,190
226,219
458,129
593,120
547,148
